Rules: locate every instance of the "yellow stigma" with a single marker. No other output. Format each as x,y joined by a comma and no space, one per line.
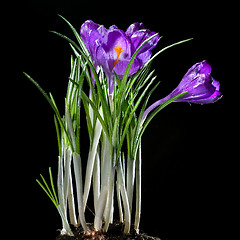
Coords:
118,51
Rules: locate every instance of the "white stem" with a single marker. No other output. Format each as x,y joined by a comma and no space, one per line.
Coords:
67,170
119,203
121,182
71,203
106,168
60,186
130,180
100,208
62,207
138,189
105,156
66,228
109,205
96,181
90,162
105,201
78,177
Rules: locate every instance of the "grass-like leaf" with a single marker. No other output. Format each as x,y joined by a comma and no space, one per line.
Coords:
52,185
50,193
58,136
79,39
85,54
157,110
135,138
53,105
95,109
131,115
165,48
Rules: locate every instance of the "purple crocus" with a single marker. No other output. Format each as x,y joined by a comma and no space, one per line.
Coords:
200,86
113,48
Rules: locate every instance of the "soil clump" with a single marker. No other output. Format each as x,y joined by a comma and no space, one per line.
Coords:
115,232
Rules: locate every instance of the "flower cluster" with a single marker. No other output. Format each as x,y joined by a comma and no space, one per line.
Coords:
116,66
113,48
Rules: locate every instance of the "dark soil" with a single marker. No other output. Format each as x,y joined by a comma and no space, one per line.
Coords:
115,232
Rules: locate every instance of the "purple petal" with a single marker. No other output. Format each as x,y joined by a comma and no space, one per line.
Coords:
215,96
216,84
133,28
212,99
200,92
117,38
199,73
113,27
122,65
86,29
140,36
144,57
199,68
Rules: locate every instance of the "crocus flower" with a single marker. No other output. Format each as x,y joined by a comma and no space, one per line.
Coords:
200,86
113,48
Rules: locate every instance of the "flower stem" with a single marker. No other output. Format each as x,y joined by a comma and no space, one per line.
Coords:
90,162
119,203
138,189
67,168
100,209
78,177
105,177
60,185
130,180
121,183
71,203
96,181
66,228
109,205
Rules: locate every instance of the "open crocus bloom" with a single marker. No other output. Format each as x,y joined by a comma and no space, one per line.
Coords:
200,86
113,48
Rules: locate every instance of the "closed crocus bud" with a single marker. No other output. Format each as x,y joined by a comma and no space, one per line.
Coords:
199,85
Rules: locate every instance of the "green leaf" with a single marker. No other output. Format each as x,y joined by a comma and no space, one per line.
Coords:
80,79
85,54
172,45
136,138
58,136
131,115
52,104
52,185
71,42
140,77
51,193
95,109
143,77
47,190
158,109
141,125
77,35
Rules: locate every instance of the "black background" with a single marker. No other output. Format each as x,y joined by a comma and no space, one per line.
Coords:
187,151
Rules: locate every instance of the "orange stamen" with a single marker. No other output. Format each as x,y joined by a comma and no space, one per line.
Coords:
118,51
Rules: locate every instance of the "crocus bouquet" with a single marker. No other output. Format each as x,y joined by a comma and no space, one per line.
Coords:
115,66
